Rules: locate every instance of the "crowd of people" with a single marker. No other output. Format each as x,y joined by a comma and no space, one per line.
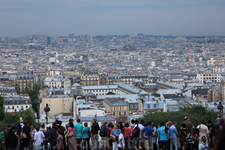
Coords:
136,135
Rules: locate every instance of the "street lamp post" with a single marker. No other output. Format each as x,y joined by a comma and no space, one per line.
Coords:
220,108
46,109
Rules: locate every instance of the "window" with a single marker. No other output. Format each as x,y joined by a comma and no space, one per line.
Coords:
114,108
148,105
125,113
154,105
114,113
120,108
119,113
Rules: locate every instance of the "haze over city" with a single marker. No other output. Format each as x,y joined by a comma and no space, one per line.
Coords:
102,17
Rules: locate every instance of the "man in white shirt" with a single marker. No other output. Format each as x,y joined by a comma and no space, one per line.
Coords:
141,127
38,139
203,130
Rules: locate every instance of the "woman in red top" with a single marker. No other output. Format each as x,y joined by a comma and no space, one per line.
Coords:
127,133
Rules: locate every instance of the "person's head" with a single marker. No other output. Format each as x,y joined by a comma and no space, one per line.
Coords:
217,119
71,124
43,126
37,128
126,124
186,118
203,139
26,124
162,124
32,127
93,120
183,125
149,123
9,126
110,125
12,129
133,121
142,122
58,131
78,120
169,123
136,121
57,122
174,123
116,126
120,125
202,121
70,120
193,135
60,122
85,124
104,123
210,122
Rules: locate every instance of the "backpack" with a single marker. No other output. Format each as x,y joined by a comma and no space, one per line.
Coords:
136,131
103,131
126,134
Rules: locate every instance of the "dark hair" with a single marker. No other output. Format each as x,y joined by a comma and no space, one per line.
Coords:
37,128
162,124
210,121
149,123
59,131
110,125
120,125
136,121
78,120
71,124
126,124
142,122
187,131
132,121
60,122
12,128
9,126
85,124
203,137
183,125
71,120
202,121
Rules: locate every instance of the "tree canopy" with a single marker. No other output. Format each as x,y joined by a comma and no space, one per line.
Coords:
156,94
194,112
2,114
12,119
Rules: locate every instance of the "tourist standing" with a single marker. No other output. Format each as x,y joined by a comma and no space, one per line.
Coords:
173,134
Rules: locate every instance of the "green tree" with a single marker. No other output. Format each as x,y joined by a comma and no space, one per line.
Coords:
155,94
110,93
194,112
12,119
2,114
35,104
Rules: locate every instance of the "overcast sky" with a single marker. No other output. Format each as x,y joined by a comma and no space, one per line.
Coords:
103,17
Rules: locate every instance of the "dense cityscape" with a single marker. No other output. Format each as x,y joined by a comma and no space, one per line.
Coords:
111,78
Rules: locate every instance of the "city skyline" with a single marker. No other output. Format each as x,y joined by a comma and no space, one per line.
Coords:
99,17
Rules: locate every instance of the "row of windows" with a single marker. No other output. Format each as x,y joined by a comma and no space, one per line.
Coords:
149,105
119,113
101,90
12,107
120,108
